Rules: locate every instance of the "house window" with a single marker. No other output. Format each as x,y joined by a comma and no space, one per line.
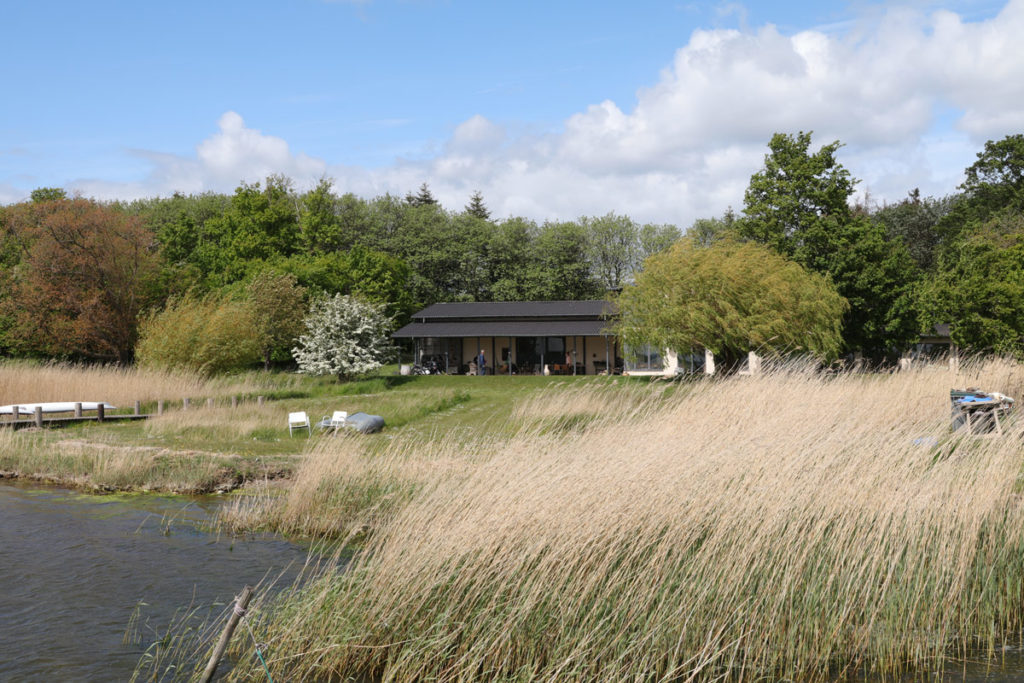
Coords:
643,358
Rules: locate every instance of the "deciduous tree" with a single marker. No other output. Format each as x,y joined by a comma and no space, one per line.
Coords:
731,297
86,273
279,308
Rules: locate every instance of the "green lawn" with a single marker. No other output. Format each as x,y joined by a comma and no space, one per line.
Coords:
252,442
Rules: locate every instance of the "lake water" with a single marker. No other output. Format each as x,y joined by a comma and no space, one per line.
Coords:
73,569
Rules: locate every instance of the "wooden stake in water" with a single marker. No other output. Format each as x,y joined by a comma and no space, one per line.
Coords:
241,603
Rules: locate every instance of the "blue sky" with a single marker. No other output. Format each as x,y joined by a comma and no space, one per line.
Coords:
658,110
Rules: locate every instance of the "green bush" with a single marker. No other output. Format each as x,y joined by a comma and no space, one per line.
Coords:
211,334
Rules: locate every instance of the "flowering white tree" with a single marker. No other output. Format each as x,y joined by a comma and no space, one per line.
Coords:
345,336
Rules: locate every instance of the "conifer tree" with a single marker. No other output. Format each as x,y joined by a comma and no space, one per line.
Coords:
476,206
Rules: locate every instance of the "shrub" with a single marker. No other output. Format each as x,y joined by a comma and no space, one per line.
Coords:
345,336
211,334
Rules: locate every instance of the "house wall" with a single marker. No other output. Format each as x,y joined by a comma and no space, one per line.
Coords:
595,351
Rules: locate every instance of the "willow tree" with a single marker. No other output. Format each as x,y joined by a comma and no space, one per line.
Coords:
731,297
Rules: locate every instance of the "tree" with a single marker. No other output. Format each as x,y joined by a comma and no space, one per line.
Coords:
48,194
878,278
86,273
979,289
731,297
707,231
612,248
995,182
477,208
509,257
915,222
278,306
345,336
796,202
318,221
654,238
798,206
258,225
373,275
559,268
422,198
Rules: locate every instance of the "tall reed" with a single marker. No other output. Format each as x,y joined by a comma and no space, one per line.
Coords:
787,525
23,382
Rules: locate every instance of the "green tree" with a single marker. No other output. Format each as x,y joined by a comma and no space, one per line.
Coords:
373,275
321,229
879,280
731,297
48,194
612,248
707,231
260,224
654,238
979,288
995,182
798,200
279,307
915,222
510,252
345,336
476,207
559,268
422,198
798,206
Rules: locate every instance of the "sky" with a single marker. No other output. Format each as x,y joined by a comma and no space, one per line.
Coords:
552,110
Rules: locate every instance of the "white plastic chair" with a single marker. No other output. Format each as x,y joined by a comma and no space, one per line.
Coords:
298,421
335,421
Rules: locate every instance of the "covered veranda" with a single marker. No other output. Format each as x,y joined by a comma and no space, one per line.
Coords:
567,337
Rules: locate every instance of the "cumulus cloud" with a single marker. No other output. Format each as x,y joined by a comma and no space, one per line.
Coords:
234,153
687,145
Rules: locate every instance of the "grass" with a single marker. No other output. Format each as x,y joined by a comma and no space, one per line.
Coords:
785,526
218,448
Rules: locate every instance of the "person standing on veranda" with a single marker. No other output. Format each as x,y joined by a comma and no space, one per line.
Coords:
481,363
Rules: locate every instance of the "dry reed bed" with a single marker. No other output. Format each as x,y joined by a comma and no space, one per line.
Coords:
22,382
781,526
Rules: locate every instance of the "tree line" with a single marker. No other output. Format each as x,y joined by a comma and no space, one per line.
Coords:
84,279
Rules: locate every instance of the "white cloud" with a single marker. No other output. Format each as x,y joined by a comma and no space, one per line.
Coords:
233,154
687,146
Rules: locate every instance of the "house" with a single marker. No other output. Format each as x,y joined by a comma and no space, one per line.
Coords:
530,337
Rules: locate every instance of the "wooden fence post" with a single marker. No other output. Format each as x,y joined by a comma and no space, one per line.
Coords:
234,401
209,403
78,410
225,637
160,407
39,417
15,415
101,412
138,408
259,401
184,404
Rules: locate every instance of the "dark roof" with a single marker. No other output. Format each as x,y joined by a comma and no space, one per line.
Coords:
477,310
506,328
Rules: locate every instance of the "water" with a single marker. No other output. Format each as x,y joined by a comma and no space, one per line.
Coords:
73,569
